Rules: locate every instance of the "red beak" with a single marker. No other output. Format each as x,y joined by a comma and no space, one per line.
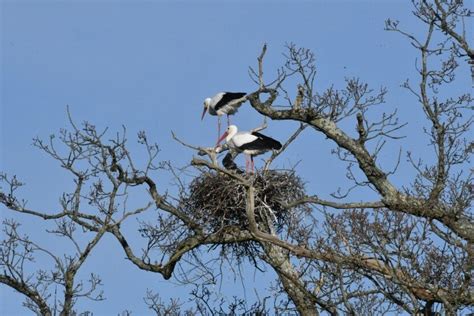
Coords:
222,138
203,113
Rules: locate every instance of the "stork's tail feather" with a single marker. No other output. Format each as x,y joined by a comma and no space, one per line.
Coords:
277,145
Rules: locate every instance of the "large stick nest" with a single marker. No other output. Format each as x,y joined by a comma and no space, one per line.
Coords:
215,200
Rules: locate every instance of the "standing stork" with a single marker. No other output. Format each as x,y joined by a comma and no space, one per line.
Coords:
250,143
223,103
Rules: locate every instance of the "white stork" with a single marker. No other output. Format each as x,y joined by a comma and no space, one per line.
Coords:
223,103
250,143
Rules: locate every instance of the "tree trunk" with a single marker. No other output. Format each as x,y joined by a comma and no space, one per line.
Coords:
280,261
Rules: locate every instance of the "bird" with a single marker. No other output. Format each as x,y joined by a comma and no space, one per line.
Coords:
229,164
223,103
299,97
250,143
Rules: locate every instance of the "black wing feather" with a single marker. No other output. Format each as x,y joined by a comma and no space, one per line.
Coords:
262,142
228,97
229,164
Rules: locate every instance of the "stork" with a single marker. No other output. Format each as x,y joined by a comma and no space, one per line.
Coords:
223,103
250,143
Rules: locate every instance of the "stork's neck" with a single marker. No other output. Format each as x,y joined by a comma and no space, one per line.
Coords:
232,130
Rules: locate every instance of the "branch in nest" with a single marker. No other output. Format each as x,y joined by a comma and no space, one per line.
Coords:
201,162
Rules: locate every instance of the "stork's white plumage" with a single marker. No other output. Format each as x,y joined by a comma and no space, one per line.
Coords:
250,143
223,103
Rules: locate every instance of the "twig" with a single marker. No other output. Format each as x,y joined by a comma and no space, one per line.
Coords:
211,152
276,153
260,67
261,127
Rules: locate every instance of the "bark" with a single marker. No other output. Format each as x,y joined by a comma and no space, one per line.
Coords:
28,292
280,261
392,198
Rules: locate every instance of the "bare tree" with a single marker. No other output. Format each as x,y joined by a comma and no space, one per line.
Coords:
410,250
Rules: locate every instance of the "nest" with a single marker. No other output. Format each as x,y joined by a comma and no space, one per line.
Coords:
216,200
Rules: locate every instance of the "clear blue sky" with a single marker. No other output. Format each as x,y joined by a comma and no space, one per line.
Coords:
149,64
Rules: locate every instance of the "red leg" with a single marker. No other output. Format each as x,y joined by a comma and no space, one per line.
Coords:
252,164
218,129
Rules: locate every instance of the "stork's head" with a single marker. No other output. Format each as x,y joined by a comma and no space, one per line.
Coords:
228,134
207,103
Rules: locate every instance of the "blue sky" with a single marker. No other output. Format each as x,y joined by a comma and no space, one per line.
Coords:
149,65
